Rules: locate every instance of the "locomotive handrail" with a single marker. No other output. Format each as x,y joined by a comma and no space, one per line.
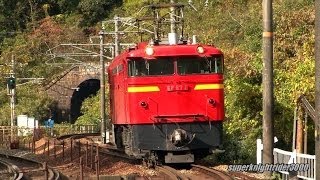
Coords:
180,115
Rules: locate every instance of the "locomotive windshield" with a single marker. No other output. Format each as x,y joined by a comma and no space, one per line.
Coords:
200,65
142,67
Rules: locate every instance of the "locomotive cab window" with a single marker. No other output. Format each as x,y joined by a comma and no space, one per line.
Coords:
200,65
142,67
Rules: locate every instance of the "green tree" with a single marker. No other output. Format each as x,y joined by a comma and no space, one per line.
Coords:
93,11
28,102
91,110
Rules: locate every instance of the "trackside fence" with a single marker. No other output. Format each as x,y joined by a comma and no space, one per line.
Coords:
288,157
72,129
8,133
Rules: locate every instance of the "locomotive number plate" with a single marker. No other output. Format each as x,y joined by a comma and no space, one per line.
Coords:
179,87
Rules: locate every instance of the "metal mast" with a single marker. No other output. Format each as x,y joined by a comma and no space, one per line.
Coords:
102,90
117,47
267,84
172,18
12,95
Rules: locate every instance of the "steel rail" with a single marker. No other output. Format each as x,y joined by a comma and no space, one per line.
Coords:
171,175
11,169
177,173
219,175
35,167
77,135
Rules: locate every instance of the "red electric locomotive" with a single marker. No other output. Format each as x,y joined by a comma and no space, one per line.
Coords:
167,100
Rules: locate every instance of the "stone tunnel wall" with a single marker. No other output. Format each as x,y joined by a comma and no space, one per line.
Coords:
62,90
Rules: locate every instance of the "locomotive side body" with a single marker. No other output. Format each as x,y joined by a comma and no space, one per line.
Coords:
167,101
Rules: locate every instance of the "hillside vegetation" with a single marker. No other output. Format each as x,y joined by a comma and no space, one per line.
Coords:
29,28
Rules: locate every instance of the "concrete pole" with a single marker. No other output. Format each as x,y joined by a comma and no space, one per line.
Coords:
267,84
317,84
102,90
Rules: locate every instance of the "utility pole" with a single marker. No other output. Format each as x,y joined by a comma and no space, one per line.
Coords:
317,84
267,84
102,90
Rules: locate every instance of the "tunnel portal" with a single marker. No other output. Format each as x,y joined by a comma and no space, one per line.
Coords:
86,89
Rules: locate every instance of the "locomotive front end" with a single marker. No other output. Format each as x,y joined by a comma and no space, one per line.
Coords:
175,101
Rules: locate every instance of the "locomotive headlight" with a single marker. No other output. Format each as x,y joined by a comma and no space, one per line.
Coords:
149,51
177,135
200,49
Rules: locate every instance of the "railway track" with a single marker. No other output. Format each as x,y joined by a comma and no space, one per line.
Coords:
208,173
13,167
7,171
168,172
77,136
215,174
172,173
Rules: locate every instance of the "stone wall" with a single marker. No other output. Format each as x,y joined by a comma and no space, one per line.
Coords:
62,88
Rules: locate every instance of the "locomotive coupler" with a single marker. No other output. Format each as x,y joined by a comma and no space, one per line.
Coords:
175,158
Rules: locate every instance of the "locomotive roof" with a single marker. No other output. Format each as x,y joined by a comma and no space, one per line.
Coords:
165,50
172,50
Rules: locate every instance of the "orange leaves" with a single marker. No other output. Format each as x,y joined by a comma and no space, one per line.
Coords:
239,63
47,31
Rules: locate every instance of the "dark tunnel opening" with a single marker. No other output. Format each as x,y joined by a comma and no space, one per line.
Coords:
86,89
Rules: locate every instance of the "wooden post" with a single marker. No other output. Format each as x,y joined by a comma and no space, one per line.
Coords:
299,146
91,156
87,154
97,150
44,148
294,130
34,145
54,148
81,169
45,167
63,150
79,148
97,166
305,141
71,153
48,148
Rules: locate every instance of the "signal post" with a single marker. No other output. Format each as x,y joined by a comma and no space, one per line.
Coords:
11,83
11,86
